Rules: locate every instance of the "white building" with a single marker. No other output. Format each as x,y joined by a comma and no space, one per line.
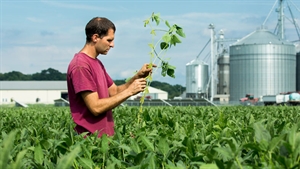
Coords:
30,92
153,94
45,92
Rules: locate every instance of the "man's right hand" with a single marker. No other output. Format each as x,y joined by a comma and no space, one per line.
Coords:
137,86
145,70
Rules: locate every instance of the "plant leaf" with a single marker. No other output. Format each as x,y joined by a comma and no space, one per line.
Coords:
180,32
164,45
166,38
18,162
167,23
147,143
67,160
175,40
104,143
86,163
225,152
171,71
152,32
261,133
139,157
163,146
5,148
146,22
38,154
156,18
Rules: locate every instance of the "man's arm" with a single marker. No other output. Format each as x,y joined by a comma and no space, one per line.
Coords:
98,106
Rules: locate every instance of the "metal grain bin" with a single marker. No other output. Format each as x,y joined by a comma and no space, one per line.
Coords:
298,71
196,79
261,64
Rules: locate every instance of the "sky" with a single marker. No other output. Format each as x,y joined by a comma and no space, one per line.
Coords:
41,34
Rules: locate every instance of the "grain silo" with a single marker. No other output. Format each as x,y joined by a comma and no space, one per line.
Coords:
197,77
261,64
223,73
298,71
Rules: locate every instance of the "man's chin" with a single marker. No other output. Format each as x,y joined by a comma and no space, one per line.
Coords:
104,53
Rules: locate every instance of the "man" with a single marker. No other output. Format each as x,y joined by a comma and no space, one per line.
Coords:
92,92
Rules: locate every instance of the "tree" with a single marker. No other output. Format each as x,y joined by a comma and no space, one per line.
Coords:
119,82
173,90
14,75
49,74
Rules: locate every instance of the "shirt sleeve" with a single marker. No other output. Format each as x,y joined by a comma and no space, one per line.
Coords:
83,80
109,80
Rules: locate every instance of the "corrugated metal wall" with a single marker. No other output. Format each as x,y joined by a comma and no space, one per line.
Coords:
262,69
196,78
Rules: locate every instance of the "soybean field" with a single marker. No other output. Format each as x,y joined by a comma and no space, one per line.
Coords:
159,137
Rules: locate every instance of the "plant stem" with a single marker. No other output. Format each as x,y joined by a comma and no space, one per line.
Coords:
238,162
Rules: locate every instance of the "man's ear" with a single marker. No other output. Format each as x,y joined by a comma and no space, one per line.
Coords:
95,38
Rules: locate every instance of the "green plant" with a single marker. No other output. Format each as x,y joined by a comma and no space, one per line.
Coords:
158,49
169,137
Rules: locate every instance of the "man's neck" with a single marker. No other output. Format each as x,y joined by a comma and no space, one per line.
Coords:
89,50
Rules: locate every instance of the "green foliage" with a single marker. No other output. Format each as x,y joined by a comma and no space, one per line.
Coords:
159,48
14,75
119,82
49,74
177,137
169,38
169,137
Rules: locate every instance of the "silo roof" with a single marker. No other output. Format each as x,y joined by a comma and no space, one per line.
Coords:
196,62
261,36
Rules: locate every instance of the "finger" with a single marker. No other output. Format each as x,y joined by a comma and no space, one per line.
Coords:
153,65
149,67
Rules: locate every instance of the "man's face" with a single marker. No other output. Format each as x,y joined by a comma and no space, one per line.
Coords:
105,43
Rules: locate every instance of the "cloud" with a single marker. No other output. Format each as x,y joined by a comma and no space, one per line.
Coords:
31,59
54,43
78,6
34,19
47,33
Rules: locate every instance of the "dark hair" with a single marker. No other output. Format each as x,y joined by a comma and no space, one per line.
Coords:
98,25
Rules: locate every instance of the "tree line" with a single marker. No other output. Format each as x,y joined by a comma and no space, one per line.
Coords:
48,74
52,74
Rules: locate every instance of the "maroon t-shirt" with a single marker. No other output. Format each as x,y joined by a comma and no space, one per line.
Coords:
88,74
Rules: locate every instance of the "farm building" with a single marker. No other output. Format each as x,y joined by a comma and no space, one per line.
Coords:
47,92
31,92
153,94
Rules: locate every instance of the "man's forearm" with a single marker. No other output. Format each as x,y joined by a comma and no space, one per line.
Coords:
98,106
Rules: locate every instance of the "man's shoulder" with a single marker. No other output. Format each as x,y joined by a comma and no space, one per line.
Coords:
78,61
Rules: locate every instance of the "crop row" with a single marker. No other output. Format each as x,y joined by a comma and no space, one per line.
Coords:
164,137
